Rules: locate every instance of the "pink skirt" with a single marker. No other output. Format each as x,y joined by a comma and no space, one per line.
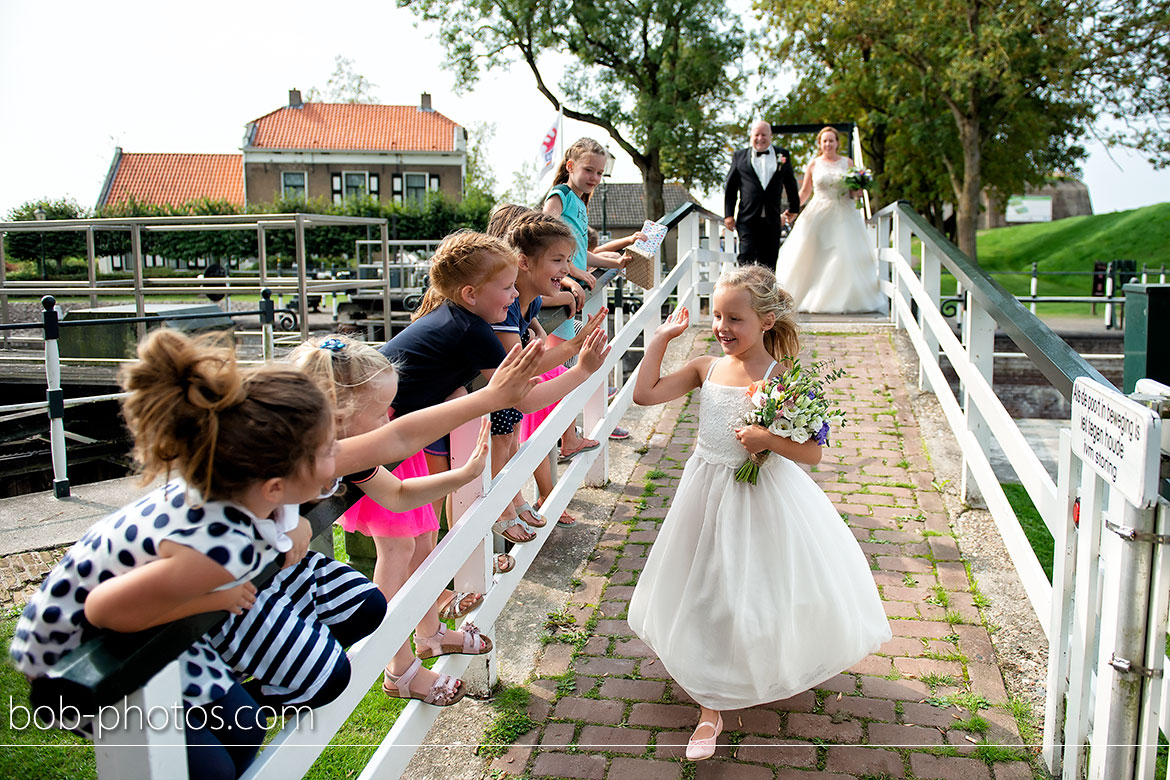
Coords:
532,421
370,518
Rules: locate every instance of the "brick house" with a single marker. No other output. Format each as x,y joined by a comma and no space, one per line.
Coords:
339,150
314,150
625,211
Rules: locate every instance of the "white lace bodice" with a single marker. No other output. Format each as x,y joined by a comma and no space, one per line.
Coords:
828,179
721,411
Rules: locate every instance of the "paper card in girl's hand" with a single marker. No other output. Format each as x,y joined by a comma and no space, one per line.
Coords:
655,233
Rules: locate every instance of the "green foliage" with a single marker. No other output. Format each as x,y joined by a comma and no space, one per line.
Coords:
657,77
433,219
996,98
54,246
510,723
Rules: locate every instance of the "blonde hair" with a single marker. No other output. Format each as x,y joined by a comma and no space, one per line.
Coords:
767,297
502,218
533,232
828,129
341,366
193,411
581,148
464,258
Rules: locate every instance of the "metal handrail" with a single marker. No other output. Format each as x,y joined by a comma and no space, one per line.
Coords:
1059,363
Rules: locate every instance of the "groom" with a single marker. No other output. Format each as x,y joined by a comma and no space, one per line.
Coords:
754,179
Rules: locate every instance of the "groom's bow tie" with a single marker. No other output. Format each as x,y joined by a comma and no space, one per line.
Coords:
764,153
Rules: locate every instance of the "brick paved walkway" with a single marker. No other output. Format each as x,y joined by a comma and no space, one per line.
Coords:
930,704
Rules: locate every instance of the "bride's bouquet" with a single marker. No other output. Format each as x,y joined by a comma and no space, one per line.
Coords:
858,179
794,406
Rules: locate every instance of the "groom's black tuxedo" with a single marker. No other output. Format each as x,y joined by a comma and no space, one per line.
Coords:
758,220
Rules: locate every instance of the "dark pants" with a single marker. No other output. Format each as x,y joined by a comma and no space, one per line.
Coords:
759,242
225,736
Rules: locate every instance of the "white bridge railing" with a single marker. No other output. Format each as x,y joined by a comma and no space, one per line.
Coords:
1105,612
466,551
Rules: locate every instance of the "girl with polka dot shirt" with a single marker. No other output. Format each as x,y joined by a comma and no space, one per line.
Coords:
194,544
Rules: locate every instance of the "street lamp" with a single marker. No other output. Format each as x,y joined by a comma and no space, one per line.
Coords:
40,215
606,172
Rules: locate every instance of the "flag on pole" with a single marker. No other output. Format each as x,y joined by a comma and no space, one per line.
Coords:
546,157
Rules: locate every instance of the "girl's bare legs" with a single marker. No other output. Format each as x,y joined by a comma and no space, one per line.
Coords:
569,439
503,448
397,560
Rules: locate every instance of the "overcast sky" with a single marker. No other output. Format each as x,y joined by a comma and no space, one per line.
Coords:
79,78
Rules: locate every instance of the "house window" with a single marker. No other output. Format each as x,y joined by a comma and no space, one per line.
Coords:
293,184
357,184
416,187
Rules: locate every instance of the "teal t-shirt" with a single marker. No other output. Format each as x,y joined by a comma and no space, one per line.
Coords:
573,214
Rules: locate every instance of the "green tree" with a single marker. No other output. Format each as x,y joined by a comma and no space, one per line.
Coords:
656,75
49,245
1005,72
344,86
908,137
480,178
525,189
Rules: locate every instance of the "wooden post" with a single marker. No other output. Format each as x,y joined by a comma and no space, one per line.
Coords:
475,576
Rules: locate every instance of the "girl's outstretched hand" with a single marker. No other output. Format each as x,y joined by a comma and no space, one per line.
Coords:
479,456
239,598
675,325
594,351
593,323
516,374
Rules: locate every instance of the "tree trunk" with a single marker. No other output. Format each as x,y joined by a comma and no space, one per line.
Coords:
966,221
652,181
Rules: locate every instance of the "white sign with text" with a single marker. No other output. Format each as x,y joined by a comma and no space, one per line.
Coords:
1118,438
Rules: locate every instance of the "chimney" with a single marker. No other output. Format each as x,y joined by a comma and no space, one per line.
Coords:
294,99
424,102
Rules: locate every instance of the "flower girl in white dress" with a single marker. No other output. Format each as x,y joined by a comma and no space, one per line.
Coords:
751,593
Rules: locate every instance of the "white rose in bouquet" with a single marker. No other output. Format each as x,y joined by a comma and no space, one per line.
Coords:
799,435
780,427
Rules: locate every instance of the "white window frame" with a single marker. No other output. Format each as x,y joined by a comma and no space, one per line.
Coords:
305,183
406,188
345,182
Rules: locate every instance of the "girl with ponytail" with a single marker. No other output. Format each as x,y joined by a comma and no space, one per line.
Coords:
238,451
752,592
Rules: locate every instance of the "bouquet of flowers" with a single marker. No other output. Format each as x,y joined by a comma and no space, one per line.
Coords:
858,179
794,406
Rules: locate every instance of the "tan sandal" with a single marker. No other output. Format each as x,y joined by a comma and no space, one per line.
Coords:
537,520
440,643
445,691
505,528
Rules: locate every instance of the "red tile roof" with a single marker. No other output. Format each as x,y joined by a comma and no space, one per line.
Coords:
359,126
177,178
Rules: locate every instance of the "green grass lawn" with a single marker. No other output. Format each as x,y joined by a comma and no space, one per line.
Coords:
1072,244
1032,523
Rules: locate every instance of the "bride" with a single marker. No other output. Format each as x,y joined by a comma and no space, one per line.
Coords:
827,263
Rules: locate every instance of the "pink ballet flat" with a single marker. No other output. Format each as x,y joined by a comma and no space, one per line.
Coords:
700,749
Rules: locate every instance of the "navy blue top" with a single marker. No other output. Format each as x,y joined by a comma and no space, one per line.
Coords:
517,321
438,353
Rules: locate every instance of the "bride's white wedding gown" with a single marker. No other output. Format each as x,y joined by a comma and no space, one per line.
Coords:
827,263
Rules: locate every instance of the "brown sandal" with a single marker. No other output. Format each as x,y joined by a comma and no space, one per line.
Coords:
503,563
471,643
445,691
